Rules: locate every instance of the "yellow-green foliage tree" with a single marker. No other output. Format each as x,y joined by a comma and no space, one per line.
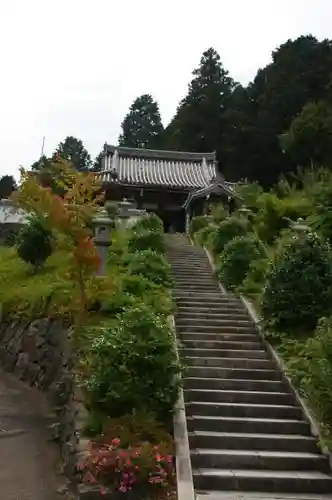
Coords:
69,217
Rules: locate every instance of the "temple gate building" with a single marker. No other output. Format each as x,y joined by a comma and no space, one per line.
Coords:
173,184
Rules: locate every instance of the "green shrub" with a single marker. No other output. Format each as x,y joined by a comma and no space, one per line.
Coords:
310,364
199,222
34,244
235,260
226,231
146,240
298,285
151,265
136,285
150,222
218,212
117,303
133,366
204,236
254,281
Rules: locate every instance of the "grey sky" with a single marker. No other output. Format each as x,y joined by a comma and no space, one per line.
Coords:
73,67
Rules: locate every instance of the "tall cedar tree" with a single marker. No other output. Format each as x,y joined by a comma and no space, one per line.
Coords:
300,73
7,186
308,140
142,126
72,150
198,122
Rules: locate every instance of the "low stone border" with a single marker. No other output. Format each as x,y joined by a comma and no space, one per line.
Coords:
184,477
314,427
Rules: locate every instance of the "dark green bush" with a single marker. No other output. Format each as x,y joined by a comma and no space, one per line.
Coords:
151,265
254,281
226,231
199,222
310,364
204,236
298,285
133,366
146,240
34,243
117,302
235,260
150,222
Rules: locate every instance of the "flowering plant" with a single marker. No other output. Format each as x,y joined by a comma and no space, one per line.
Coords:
145,468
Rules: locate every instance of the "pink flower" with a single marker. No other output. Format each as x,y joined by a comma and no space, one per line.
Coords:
116,442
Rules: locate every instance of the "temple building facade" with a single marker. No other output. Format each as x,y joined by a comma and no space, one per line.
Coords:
173,184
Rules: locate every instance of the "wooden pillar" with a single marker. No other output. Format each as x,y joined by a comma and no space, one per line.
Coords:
187,219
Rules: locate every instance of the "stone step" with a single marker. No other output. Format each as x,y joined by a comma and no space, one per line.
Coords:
192,313
221,344
209,322
207,307
230,362
190,279
267,460
258,397
247,425
199,273
244,410
197,289
233,373
252,441
289,481
234,384
224,353
221,337
216,297
221,328
190,262
255,495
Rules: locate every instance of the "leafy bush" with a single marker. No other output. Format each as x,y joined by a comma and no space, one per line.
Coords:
218,212
235,260
117,303
199,222
254,281
150,222
226,231
310,364
151,265
204,236
133,366
299,285
136,428
34,243
146,240
145,469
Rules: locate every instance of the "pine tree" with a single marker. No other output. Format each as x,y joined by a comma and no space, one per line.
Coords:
72,149
142,126
197,125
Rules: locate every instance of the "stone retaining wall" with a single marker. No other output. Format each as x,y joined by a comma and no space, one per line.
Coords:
38,353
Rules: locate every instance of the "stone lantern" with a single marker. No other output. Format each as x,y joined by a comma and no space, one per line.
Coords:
128,211
103,226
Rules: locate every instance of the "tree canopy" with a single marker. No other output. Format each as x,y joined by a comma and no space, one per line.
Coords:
73,150
198,122
7,186
142,126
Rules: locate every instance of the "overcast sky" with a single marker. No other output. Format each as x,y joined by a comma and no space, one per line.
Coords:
73,67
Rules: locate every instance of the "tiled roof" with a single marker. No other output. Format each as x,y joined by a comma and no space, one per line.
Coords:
144,167
217,186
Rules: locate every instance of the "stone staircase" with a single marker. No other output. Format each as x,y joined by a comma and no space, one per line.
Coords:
247,434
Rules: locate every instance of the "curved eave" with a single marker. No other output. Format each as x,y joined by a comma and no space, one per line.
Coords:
218,189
